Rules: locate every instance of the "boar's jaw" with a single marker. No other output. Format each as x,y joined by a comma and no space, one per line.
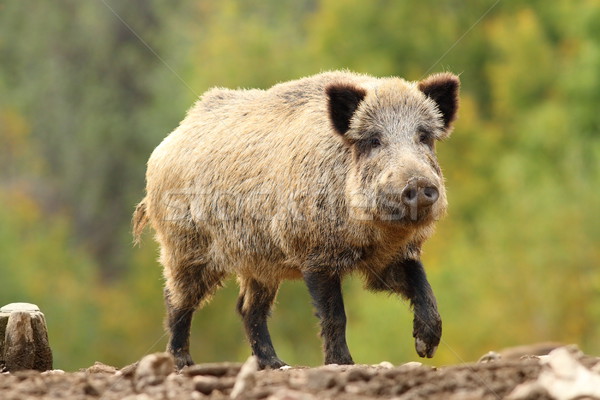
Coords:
388,208
393,211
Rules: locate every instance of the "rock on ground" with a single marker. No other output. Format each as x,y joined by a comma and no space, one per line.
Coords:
153,377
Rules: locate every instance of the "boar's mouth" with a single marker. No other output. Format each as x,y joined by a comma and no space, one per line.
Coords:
400,213
413,204
396,208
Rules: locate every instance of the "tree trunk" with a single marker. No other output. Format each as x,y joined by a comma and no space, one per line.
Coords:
24,338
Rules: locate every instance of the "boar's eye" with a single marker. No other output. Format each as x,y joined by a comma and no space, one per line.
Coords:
365,146
374,142
426,138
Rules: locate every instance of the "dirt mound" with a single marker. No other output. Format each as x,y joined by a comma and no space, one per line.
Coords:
152,378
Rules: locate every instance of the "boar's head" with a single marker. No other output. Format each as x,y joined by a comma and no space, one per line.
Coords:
391,129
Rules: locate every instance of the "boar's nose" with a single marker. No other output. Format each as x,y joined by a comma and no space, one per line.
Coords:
419,192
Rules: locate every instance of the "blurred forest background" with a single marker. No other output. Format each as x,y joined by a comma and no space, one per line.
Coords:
89,88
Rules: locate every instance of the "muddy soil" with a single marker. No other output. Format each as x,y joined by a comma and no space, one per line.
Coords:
153,378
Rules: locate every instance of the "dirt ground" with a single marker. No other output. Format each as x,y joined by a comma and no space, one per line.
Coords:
494,377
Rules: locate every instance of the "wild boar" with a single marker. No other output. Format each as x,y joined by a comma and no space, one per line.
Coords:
312,179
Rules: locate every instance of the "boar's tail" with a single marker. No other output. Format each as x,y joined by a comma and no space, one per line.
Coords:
139,221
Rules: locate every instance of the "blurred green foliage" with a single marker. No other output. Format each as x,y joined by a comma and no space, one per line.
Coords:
88,89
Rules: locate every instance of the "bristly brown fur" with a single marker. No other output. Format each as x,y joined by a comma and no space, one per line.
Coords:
303,180
139,221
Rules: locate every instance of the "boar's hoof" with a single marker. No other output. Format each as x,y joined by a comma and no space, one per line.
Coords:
423,350
427,336
273,363
183,360
340,360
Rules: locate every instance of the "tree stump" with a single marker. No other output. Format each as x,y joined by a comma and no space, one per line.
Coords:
24,338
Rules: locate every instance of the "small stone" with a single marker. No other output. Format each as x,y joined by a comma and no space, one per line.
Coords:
141,396
411,365
176,384
297,379
403,369
128,371
530,357
99,367
287,394
490,356
320,379
53,372
385,364
562,377
208,384
91,389
205,384
153,369
358,374
216,369
355,387
246,379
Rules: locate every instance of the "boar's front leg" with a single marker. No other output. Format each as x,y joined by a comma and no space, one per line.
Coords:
326,292
407,278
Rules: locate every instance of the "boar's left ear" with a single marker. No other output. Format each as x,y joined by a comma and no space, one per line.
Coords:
343,100
443,89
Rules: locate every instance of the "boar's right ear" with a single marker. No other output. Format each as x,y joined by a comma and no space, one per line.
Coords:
343,100
443,89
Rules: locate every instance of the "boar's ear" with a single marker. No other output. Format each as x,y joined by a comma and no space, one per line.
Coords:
343,100
443,89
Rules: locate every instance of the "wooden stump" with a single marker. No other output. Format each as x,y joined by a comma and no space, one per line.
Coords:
24,338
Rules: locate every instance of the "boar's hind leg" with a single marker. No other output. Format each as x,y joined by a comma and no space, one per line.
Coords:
254,305
326,292
183,293
408,278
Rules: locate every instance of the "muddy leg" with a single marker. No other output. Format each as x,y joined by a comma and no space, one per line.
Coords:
427,323
408,278
179,322
183,294
254,305
326,292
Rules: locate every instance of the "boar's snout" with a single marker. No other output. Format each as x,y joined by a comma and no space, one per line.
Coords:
419,192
